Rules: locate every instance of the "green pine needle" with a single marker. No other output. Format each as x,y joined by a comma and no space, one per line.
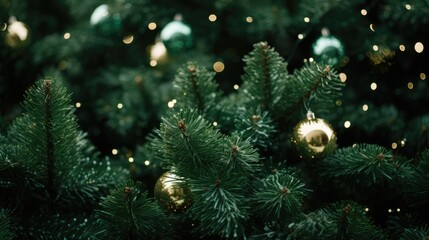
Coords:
372,162
195,88
265,77
316,86
351,221
220,205
241,157
420,233
127,213
5,231
255,125
279,197
189,143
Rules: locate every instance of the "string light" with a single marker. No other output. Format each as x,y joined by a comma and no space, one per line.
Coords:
146,162
128,39
410,85
218,66
338,102
120,105
375,47
215,124
366,209
249,19
307,19
174,101
78,104
212,17
408,6
170,104
311,59
418,47
398,209
373,86
394,145
236,86
390,210
347,124
363,12
130,159
365,107
153,63
114,151
343,77
67,35
372,27
300,36
403,142
422,76
151,26
402,48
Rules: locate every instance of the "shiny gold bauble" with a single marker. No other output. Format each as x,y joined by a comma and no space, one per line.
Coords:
171,194
314,138
17,34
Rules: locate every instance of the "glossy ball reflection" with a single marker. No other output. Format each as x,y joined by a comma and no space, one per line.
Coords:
314,138
171,194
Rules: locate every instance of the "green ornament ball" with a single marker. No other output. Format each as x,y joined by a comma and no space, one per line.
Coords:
329,50
314,137
171,194
177,37
104,21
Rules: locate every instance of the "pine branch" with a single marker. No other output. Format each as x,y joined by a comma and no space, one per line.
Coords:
279,197
5,231
219,204
314,84
48,130
241,158
255,125
351,221
264,78
127,213
416,183
420,233
195,88
315,225
363,161
189,144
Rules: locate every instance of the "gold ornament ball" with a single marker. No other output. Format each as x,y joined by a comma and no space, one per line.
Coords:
171,194
313,138
17,34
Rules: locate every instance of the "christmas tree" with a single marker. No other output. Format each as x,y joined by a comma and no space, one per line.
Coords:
215,120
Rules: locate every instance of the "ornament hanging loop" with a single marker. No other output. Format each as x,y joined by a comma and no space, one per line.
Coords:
310,115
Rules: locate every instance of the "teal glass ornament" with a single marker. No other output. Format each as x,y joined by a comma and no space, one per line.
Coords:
105,21
329,50
177,36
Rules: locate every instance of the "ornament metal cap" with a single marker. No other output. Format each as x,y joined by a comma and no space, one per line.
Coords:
310,115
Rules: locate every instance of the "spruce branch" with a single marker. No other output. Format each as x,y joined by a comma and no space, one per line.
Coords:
315,225
189,143
420,233
48,130
5,230
315,85
351,221
220,205
255,125
240,157
279,197
265,77
416,182
196,88
127,213
363,161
